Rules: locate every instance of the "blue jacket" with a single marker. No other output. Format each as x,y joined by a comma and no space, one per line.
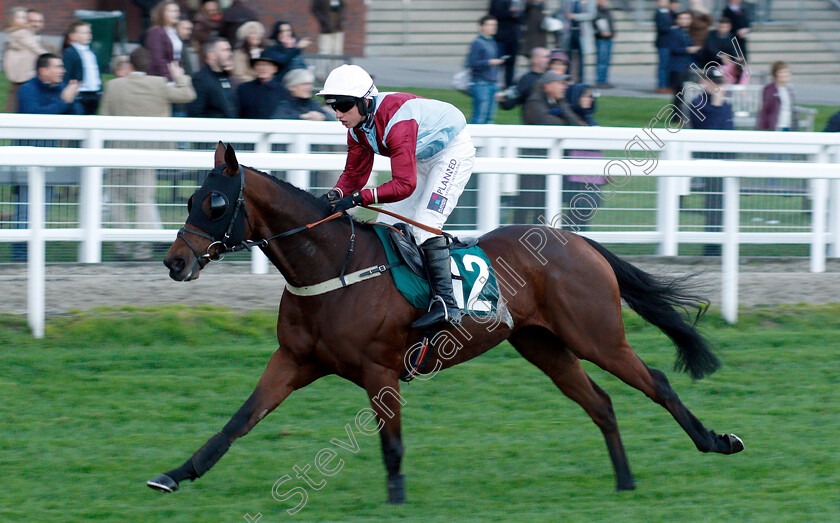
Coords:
260,100
663,23
36,97
483,50
678,42
716,117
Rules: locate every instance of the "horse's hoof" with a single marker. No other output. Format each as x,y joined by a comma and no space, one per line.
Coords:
626,486
163,483
736,444
396,490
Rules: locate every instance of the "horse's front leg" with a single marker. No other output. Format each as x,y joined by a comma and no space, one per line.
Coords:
382,386
281,377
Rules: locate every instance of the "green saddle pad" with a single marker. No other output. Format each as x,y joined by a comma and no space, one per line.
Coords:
473,280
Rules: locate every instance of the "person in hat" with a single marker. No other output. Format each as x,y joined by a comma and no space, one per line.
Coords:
547,104
260,97
558,61
432,158
711,110
300,105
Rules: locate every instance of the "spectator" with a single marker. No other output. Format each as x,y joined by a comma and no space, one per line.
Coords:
535,35
578,37
701,20
189,57
214,86
719,48
778,111
19,55
288,48
682,49
47,93
508,15
208,23
579,191
139,94
663,21
121,66
260,97
740,23
833,125
484,63
146,8
81,65
162,39
250,43
547,104
716,113
301,105
518,94
35,19
604,34
234,16
331,15
558,61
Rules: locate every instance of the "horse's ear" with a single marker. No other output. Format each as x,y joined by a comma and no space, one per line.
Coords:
230,161
220,154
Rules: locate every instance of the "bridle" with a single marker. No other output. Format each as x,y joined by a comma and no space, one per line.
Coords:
231,237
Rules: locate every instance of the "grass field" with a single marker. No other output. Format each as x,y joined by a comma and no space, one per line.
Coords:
109,399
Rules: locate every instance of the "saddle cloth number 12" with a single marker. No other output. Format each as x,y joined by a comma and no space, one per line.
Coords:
472,263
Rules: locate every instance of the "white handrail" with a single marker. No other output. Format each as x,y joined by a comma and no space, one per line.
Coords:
497,144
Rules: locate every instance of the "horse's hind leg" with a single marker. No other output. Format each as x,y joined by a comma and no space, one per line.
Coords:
547,352
625,364
281,377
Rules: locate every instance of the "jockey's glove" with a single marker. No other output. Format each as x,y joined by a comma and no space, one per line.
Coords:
330,197
348,202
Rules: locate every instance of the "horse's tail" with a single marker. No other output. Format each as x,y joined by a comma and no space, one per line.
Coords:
656,299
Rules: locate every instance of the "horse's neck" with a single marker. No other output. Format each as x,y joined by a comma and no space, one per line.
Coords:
305,258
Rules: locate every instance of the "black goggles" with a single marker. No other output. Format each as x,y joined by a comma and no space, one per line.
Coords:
342,106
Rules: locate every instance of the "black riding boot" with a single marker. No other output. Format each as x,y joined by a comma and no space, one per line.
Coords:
444,307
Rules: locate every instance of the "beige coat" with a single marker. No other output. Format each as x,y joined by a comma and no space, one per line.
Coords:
141,95
22,50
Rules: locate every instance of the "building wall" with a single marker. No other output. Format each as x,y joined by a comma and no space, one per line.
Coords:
59,13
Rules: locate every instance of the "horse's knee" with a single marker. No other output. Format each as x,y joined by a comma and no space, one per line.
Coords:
661,386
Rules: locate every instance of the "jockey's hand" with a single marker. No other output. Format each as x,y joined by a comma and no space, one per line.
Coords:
330,197
348,202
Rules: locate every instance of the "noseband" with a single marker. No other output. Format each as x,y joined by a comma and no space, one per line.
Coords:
231,237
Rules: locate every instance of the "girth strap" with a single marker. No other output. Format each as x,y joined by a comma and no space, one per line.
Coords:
339,282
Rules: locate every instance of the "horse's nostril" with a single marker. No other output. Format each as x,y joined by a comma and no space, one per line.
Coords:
175,264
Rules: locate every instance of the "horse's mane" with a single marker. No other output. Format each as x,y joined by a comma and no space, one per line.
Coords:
297,192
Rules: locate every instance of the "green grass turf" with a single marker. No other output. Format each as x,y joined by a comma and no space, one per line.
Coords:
109,399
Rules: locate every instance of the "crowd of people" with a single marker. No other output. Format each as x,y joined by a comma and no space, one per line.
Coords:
224,64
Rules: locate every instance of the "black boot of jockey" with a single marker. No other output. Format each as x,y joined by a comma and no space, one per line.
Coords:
444,307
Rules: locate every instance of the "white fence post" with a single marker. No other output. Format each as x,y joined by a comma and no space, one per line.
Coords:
35,251
668,204
489,192
819,194
833,156
730,251
90,204
259,261
300,145
554,187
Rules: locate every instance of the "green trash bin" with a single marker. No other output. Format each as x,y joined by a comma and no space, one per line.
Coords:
107,27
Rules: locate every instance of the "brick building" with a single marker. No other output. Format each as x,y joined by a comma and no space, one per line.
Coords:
59,14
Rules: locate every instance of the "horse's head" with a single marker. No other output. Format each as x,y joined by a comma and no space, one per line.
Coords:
216,221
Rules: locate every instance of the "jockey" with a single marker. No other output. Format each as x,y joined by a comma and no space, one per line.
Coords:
432,159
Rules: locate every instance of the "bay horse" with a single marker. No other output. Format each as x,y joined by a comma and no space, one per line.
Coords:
566,308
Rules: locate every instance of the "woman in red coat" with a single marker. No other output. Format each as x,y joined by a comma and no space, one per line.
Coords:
162,40
777,108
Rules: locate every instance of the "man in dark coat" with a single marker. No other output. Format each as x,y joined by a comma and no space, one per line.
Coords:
509,15
214,86
260,97
735,12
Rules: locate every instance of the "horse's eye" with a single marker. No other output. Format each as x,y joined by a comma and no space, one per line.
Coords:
218,205
189,204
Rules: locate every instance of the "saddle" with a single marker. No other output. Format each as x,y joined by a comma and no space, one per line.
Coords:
410,253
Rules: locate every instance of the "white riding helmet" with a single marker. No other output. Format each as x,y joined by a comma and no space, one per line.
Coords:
349,81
